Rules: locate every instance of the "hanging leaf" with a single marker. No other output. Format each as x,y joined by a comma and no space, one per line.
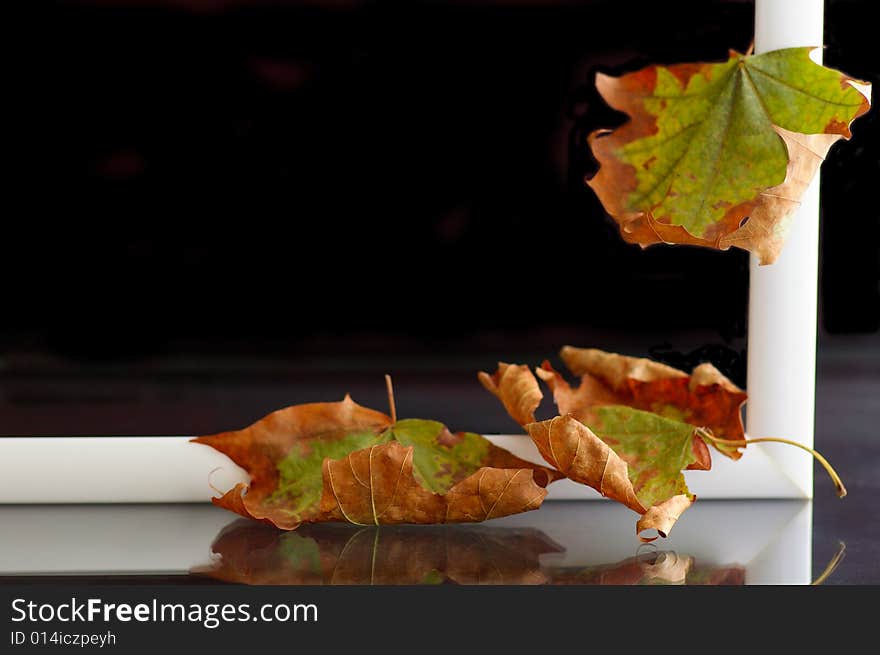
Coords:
343,462
400,555
719,154
705,398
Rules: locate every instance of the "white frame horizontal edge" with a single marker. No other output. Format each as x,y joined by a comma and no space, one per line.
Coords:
173,470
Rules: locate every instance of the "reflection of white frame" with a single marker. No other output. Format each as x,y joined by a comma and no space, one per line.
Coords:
781,384
770,539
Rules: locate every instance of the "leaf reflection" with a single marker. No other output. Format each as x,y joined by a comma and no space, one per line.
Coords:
659,568
339,554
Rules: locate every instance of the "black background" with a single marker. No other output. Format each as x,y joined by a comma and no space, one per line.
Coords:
301,181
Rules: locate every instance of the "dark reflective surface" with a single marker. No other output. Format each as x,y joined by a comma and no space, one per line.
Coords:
563,543
170,540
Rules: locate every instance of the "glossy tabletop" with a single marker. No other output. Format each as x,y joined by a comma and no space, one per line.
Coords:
737,541
574,542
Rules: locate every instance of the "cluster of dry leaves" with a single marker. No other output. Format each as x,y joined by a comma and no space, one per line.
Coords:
628,430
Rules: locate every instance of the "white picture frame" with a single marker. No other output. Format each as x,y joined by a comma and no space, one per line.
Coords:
781,383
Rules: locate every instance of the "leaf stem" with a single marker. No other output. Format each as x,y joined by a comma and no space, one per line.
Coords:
391,405
838,483
832,565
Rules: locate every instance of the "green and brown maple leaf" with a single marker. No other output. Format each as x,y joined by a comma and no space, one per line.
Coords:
343,462
630,429
719,154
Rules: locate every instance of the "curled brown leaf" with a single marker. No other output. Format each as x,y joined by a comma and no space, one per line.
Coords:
376,486
571,446
516,388
662,516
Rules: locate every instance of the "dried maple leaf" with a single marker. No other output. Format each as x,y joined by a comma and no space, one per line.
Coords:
630,456
719,154
632,427
623,432
705,398
340,461
343,555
